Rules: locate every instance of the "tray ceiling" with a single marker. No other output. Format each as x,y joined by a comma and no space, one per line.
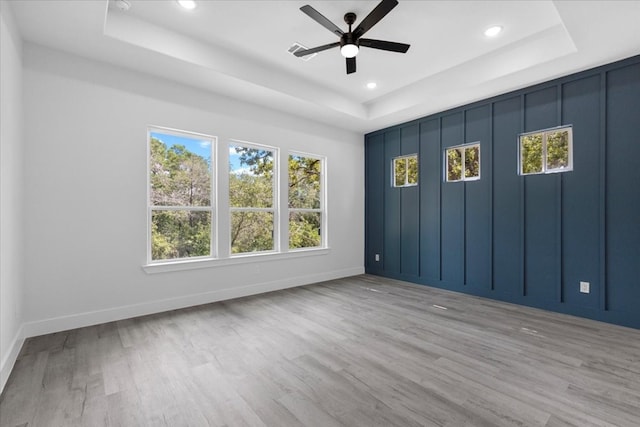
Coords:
239,49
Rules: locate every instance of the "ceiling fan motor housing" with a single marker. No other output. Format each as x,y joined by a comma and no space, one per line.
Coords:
347,38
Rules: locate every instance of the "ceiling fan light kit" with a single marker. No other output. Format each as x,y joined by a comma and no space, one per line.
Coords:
351,41
349,50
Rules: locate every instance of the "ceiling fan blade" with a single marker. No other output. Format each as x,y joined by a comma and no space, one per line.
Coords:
305,52
351,65
384,45
322,20
376,15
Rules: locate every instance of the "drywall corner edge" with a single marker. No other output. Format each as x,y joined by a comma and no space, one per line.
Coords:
6,366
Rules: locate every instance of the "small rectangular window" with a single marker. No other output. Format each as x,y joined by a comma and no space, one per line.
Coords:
252,195
546,151
462,163
306,201
180,195
405,171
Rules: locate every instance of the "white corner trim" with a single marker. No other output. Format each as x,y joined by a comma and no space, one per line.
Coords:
10,359
63,323
192,264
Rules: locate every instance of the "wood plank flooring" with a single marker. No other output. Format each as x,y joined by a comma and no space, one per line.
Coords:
362,351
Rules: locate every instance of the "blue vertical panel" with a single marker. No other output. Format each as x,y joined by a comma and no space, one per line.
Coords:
430,181
374,181
452,215
477,203
546,233
623,190
541,205
409,209
392,255
580,192
506,197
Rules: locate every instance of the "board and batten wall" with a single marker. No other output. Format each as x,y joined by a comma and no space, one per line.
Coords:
528,240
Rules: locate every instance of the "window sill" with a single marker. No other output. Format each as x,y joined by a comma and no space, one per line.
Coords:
194,264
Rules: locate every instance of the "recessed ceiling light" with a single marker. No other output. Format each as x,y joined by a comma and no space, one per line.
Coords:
493,31
187,4
372,85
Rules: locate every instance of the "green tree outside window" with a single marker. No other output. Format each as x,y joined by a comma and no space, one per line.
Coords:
180,197
546,151
454,164
531,153
251,198
405,171
305,201
462,163
412,170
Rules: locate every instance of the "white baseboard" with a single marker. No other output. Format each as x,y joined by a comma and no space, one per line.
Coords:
63,323
10,359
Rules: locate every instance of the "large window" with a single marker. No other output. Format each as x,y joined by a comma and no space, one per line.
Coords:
546,151
462,163
306,201
405,171
197,217
252,198
180,195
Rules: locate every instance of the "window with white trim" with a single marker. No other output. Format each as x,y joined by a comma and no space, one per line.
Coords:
186,188
180,195
405,171
306,201
252,198
462,162
546,151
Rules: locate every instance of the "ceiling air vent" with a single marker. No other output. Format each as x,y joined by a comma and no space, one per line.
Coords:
296,47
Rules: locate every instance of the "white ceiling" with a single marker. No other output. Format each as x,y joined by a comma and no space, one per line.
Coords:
239,49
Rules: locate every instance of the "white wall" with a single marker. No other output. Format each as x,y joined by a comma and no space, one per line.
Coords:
11,177
85,192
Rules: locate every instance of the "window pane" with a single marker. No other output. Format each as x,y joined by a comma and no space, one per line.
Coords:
250,177
531,153
412,173
180,171
180,234
472,162
304,182
400,172
454,164
557,150
304,229
251,231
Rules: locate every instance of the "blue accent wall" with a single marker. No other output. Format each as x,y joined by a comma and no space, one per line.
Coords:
528,240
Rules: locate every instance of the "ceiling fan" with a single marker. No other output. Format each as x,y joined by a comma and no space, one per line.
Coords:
351,41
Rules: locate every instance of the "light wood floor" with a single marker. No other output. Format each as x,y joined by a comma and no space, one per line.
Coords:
363,351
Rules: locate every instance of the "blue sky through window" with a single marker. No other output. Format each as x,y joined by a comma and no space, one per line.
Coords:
201,147
234,160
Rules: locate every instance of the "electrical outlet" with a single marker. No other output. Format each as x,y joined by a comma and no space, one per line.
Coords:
584,287
377,257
